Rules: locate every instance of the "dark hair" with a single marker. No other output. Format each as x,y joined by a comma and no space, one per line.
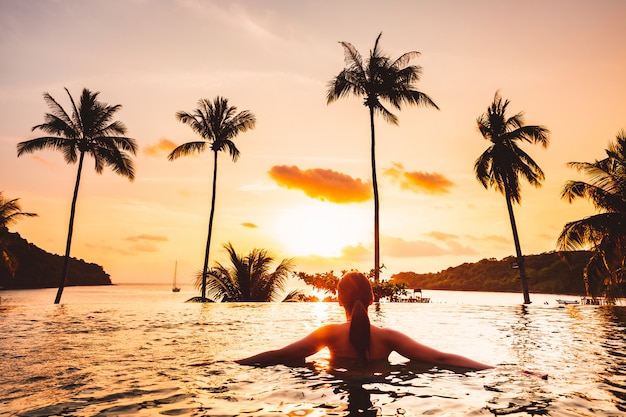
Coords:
355,294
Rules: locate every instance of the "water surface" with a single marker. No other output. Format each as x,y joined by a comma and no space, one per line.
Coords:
142,351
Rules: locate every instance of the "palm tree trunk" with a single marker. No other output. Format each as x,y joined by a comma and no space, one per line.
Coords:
518,249
70,231
376,203
205,269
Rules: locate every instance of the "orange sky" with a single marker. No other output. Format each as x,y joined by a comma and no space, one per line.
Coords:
302,185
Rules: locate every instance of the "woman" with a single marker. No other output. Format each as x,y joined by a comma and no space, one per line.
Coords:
358,341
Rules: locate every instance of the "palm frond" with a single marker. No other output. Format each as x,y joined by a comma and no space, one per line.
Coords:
187,149
11,211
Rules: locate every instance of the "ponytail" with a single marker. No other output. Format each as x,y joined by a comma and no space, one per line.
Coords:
355,294
360,330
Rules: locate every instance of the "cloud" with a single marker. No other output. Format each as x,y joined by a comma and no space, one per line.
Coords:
322,184
356,253
249,225
418,181
42,161
147,237
400,248
441,236
144,247
492,238
108,248
163,147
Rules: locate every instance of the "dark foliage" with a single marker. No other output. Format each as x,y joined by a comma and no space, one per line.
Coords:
40,269
550,273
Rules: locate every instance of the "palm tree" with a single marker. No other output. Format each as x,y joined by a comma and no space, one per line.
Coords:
249,278
89,130
379,78
217,123
604,232
501,165
10,212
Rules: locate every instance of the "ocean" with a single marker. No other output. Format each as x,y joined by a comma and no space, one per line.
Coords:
140,350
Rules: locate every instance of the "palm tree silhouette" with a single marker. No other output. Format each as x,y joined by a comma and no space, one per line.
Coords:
504,161
10,212
379,78
217,123
89,130
249,278
604,232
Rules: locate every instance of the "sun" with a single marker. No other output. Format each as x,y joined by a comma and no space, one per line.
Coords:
322,229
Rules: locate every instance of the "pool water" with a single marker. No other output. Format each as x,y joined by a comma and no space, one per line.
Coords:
142,351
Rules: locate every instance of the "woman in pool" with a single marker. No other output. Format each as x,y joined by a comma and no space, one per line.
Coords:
358,341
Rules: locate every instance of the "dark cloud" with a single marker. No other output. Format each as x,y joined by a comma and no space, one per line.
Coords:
418,181
249,225
163,147
322,184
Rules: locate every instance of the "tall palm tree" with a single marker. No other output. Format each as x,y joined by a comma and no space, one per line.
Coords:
249,278
217,123
89,130
378,78
10,212
501,165
604,232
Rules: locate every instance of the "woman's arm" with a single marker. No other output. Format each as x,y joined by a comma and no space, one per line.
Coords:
295,352
413,350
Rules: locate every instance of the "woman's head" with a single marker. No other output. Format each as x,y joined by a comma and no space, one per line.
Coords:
354,286
354,293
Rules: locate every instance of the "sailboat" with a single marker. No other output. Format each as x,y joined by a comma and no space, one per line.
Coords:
174,287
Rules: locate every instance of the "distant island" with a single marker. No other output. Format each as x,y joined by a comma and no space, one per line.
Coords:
40,269
548,273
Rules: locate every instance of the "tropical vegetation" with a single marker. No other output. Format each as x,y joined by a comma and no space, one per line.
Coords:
10,212
217,123
378,79
605,232
248,278
501,165
327,282
548,273
88,130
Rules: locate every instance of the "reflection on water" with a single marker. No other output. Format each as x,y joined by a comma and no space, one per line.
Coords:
108,354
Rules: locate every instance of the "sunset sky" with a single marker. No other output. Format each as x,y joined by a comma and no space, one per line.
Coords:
302,185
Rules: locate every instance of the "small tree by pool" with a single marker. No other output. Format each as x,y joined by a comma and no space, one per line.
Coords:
249,278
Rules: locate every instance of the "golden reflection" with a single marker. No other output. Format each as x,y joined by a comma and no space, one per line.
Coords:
321,312
301,412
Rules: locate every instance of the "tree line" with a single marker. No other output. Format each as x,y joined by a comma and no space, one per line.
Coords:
548,273
89,129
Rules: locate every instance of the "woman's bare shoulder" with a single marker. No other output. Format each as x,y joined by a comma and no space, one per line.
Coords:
384,332
389,337
330,330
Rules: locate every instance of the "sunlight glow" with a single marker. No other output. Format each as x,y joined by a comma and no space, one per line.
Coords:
323,229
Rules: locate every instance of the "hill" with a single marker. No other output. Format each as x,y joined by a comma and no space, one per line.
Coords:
40,269
549,273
